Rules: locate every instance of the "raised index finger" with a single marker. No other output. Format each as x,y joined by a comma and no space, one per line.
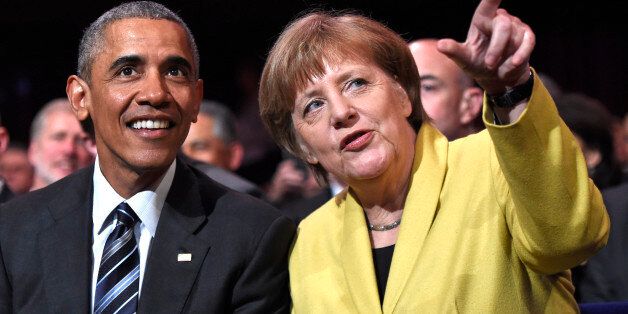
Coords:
487,7
484,14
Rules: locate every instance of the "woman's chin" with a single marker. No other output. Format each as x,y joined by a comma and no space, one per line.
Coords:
366,171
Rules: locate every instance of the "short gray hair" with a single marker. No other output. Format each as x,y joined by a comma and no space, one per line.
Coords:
224,120
55,105
93,37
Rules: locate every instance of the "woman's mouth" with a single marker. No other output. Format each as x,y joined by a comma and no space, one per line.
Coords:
356,140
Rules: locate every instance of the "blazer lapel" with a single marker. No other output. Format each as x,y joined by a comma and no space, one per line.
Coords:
429,168
357,259
66,247
176,254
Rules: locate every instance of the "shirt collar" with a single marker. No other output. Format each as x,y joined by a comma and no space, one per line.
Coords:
146,204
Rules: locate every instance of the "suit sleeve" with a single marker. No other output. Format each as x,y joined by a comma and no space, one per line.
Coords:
554,212
5,285
263,286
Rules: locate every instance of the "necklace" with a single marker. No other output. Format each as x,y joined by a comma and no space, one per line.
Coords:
385,227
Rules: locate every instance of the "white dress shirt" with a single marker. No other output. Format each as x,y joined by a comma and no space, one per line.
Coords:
146,204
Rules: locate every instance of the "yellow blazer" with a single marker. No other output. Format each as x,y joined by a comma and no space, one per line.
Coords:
492,223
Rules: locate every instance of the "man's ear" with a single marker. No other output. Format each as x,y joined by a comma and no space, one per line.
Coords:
471,105
4,139
198,90
79,96
236,152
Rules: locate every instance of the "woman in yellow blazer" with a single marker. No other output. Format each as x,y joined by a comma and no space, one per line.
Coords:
488,223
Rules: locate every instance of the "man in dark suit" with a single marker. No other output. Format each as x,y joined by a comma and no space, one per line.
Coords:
140,231
604,278
5,192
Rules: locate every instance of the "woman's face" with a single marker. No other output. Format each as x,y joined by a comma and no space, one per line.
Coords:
353,121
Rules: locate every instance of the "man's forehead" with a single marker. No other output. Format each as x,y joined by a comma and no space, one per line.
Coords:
129,33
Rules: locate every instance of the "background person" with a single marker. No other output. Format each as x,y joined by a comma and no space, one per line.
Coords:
56,146
5,191
592,125
213,147
16,169
448,95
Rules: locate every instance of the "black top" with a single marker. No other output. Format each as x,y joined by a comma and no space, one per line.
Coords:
382,258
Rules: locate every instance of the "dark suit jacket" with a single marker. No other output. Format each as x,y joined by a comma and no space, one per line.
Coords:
299,209
226,178
605,276
239,248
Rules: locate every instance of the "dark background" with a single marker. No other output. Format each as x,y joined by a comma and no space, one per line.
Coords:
580,44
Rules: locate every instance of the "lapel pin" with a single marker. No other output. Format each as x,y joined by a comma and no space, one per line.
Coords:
184,257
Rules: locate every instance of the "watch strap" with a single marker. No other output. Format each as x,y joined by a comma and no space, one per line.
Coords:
512,96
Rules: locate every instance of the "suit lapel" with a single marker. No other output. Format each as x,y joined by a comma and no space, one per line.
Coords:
429,168
357,259
66,247
168,281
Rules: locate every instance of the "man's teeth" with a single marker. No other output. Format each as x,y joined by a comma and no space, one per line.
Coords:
150,124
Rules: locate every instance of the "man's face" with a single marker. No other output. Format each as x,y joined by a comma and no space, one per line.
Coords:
16,170
203,144
441,87
58,150
143,95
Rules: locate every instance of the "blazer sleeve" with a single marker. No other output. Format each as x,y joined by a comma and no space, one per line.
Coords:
5,288
6,295
263,286
554,212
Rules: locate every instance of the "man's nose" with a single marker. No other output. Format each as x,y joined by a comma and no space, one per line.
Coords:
154,90
69,146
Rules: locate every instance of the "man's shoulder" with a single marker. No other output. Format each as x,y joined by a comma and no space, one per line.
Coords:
222,202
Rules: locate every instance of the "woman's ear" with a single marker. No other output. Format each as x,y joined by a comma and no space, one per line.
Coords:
79,96
404,100
306,153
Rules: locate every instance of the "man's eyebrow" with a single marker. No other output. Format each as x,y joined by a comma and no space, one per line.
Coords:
131,59
177,60
429,77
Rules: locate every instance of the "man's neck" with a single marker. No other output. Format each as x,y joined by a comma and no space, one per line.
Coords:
128,182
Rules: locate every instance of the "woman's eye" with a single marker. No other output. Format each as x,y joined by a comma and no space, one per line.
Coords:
357,83
311,106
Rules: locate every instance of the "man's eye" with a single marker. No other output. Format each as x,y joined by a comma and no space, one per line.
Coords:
199,146
428,87
176,72
127,71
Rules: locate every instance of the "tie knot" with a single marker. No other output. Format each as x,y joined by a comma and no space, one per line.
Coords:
126,215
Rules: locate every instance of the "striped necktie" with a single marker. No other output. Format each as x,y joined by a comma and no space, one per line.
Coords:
117,288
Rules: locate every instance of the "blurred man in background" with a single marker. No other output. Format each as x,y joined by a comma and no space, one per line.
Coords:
213,147
5,192
15,169
57,143
448,95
